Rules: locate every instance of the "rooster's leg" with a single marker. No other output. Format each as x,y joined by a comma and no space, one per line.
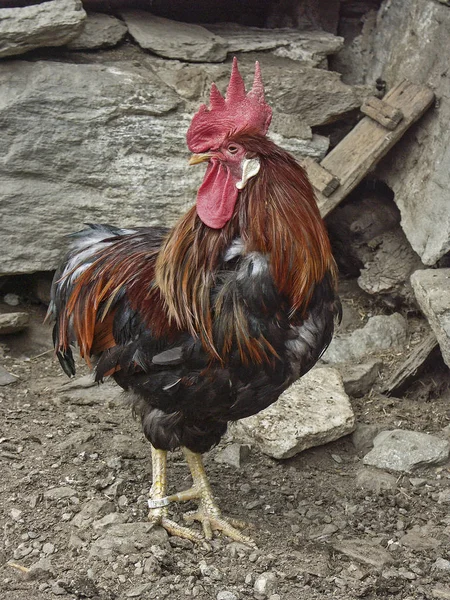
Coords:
158,501
208,512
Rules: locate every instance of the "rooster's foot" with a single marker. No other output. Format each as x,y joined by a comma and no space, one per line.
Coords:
214,521
158,516
208,512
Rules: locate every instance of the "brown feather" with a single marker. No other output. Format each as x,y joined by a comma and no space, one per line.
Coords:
276,214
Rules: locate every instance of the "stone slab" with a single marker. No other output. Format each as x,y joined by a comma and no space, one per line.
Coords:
311,47
313,411
51,23
99,31
432,290
173,39
380,334
405,450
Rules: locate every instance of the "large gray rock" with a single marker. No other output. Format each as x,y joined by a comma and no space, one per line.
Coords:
380,333
404,450
311,47
389,266
51,23
432,290
315,410
317,96
312,96
418,169
173,39
99,31
97,143
92,143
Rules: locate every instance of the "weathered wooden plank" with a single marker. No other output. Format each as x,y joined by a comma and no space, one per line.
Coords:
369,141
322,180
382,112
411,367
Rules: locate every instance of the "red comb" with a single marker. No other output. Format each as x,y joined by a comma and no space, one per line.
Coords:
238,111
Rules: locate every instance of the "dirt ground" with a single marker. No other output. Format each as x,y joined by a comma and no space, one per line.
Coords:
76,472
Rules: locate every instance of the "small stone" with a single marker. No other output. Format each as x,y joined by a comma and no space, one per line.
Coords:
60,492
13,322
48,548
15,514
58,590
114,463
265,584
365,552
177,542
359,379
7,378
108,520
441,592
363,437
225,595
127,539
92,510
325,531
233,455
405,450
417,481
418,539
441,564
444,496
375,480
122,501
210,571
76,542
152,568
138,590
11,299
42,569
116,488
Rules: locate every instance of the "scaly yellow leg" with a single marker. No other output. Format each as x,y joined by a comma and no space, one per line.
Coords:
158,501
208,512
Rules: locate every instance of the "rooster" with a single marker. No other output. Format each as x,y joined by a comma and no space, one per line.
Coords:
211,321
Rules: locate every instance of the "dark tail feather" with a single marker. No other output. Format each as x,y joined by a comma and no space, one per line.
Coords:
65,357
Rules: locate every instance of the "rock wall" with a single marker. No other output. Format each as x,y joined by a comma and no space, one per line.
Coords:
412,42
94,135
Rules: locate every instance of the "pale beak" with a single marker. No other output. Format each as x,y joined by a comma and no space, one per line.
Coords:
199,158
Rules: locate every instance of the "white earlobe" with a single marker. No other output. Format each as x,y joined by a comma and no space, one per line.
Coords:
250,168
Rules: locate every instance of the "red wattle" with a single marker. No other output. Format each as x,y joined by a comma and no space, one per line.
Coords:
217,196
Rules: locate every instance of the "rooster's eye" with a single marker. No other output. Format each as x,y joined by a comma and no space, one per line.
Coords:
232,149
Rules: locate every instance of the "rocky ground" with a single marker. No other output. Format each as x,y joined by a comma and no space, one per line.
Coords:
76,474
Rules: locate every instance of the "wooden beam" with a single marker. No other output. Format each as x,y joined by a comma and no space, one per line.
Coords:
382,112
322,180
369,141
